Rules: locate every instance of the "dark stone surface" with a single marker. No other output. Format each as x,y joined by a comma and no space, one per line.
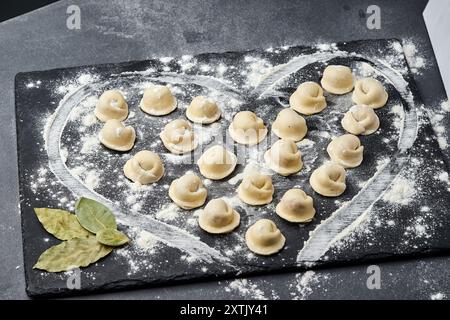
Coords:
113,31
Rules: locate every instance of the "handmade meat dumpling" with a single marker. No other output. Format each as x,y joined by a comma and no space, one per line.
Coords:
360,119
203,110
264,238
284,157
346,150
247,128
308,99
296,206
337,79
114,135
329,180
188,191
290,125
218,217
217,163
158,100
178,137
111,105
144,167
370,92
256,189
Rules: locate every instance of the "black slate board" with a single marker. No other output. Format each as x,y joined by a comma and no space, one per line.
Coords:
114,271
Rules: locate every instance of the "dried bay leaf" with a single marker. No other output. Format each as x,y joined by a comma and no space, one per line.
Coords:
73,253
60,223
111,237
94,216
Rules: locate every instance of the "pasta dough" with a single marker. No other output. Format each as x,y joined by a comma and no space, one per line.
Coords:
284,157
296,206
329,180
308,99
247,128
144,167
264,238
158,100
360,119
111,105
346,150
217,163
178,137
370,92
203,110
290,125
218,217
256,189
337,79
114,135
188,191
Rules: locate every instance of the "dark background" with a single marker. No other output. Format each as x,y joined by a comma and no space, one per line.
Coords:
13,8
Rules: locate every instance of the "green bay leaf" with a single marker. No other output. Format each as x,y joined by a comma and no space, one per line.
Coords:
60,223
111,237
70,254
94,216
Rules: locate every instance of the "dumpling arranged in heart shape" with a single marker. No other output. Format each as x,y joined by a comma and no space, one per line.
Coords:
360,119
247,128
296,206
114,135
284,157
264,238
290,125
256,189
203,110
218,217
111,105
188,191
346,150
370,92
144,167
158,100
217,163
337,79
308,99
178,137
329,180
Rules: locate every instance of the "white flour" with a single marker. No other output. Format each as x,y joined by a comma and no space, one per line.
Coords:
246,288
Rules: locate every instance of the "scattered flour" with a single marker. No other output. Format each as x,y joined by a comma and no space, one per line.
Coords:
415,61
401,191
146,241
246,289
168,213
438,296
304,283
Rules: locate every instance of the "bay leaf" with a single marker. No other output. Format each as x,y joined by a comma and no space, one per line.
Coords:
73,253
94,216
60,223
111,237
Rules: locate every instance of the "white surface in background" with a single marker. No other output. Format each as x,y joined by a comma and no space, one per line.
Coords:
437,20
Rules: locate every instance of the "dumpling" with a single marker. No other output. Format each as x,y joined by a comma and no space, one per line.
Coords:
217,163
247,128
370,92
158,100
346,150
308,98
290,125
296,206
203,110
144,167
114,135
284,157
178,137
218,217
111,105
360,119
188,191
337,79
329,180
256,189
264,238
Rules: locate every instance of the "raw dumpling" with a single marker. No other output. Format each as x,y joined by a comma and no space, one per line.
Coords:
329,180
144,167
296,206
178,137
346,150
284,157
203,110
188,191
158,100
360,119
217,163
308,98
247,128
290,125
111,105
256,189
370,92
218,217
114,135
264,238
337,79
